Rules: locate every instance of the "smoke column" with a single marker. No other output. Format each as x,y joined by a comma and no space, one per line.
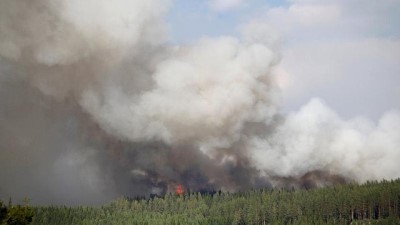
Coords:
95,104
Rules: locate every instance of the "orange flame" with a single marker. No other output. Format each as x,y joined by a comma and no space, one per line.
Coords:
179,190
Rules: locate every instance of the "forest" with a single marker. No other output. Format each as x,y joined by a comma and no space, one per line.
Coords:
369,203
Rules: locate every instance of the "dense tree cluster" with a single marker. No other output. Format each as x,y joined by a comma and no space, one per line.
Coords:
370,203
16,214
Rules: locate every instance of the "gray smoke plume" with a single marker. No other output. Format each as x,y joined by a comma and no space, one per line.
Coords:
95,104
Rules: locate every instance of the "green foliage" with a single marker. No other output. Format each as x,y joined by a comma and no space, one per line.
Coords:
370,203
3,211
16,215
19,215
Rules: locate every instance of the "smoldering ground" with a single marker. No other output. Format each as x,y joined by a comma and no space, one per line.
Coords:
96,104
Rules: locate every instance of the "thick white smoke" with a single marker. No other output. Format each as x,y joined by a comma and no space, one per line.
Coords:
67,46
316,138
215,103
63,32
202,94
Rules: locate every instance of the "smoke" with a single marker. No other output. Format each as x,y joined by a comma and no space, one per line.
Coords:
315,138
96,104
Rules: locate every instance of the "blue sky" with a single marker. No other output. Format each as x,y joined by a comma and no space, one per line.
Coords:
191,19
344,51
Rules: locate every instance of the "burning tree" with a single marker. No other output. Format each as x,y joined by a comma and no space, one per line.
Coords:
179,190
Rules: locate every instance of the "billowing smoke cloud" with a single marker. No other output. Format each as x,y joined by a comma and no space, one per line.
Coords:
95,104
315,138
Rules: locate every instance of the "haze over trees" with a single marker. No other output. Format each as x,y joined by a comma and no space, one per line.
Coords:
97,100
369,203
16,214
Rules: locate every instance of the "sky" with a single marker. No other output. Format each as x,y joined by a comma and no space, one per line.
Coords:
344,52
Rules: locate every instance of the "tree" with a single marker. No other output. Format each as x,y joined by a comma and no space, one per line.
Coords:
3,211
16,215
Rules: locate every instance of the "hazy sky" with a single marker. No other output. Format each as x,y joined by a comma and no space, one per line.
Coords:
346,52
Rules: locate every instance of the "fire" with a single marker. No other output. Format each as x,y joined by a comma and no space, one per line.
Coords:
179,190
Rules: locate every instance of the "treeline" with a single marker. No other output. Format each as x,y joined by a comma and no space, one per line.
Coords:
16,214
370,203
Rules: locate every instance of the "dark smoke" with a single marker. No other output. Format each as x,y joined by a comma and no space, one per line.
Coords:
94,104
